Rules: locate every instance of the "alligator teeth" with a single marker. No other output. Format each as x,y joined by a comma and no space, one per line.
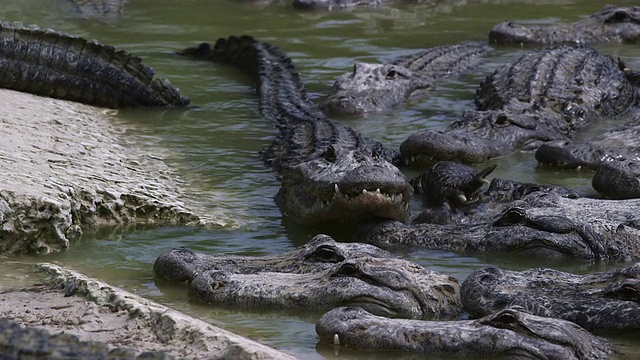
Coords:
336,188
336,339
462,198
579,168
406,161
378,190
364,191
413,159
485,181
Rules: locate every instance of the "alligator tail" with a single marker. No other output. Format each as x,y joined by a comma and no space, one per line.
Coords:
54,64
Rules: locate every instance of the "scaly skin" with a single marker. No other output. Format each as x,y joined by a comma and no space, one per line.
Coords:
50,63
320,253
34,343
100,9
611,24
508,334
541,224
328,171
390,287
373,88
598,302
619,179
545,95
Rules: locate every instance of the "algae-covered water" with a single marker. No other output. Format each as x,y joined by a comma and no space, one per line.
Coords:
214,146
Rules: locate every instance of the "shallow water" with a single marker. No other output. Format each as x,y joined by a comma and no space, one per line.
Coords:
215,146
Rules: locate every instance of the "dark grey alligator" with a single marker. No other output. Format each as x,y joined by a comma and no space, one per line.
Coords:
17,342
390,287
507,334
541,224
334,4
545,95
327,171
378,87
100,9
597,302
611,24
615,155
453,194
320,253
50,63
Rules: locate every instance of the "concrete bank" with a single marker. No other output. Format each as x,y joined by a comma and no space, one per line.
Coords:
65,167
96,311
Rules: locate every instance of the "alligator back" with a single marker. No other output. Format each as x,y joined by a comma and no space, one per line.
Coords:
576,81
443,61
100,8
54,64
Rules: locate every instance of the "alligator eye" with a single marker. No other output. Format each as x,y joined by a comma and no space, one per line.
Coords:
505,319
347,270
326,254
511,217
330,154
392,74
502,120
618,17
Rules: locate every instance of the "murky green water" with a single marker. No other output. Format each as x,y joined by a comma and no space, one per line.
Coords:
215,146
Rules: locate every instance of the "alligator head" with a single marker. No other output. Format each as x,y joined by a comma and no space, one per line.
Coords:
541,224
598,302
387,287
320,253
479,136
372,88
611,24
509,333
618,179
343,184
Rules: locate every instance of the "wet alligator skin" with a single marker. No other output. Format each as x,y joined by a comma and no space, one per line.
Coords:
320,253
327,171
332,4
610,24
50,63
390,287
598,302
506,334
545,95
378,87
615,155
542,224
33,343
479,205
100,9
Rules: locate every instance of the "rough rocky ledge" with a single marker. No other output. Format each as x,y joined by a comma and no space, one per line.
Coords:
100,312
65,166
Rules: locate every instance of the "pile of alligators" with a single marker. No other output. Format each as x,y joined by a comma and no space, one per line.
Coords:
375,299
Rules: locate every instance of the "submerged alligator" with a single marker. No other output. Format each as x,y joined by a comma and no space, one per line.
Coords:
390,287
50,63
508,333
615,155
598,302
541,224
611,24
327,171
378,87
544,95
100,9
17,342
320,253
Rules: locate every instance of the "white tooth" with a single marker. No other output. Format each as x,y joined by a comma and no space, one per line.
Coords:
413,159
579,168
336,188
364,191
462,198
400,196
336,339
485,181
406,161
378,190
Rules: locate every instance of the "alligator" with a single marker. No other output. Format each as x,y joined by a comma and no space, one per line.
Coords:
50,63
327,171
333,4
615,155
320,253
390,287
610,24
603,301
99,9
545,95
541,224
453,194
17,342
379,87
509,333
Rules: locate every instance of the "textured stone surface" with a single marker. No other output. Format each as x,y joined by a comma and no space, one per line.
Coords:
66,166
